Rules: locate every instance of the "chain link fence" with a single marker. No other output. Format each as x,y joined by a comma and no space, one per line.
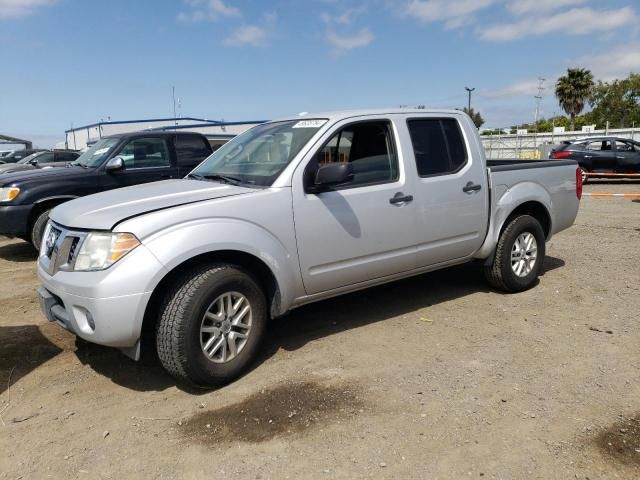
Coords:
537,146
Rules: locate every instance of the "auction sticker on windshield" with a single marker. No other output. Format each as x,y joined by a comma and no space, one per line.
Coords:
310,123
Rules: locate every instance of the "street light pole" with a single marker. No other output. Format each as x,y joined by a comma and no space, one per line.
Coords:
469,90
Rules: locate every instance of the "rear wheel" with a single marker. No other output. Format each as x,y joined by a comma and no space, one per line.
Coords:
519,255
37,230
211,325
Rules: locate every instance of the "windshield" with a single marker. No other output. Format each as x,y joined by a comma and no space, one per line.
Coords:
94,157
258,156
27,159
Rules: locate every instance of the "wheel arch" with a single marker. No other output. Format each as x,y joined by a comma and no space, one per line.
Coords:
531,200
253,265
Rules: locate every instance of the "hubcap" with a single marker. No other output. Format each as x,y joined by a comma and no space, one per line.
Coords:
225,327
524,254
584,175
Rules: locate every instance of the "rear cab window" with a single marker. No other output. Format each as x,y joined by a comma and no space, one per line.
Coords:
191,149
438,146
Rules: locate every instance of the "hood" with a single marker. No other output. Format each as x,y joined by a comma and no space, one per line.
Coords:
15,167
41,175
103,211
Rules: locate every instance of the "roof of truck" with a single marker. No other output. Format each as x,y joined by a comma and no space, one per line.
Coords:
332,115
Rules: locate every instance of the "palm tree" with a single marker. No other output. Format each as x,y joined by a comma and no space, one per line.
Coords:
475,116
573,90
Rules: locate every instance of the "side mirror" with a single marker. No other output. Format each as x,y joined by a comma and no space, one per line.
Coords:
33,162
115,164
333,174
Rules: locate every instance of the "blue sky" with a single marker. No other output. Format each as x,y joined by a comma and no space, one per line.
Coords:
79,61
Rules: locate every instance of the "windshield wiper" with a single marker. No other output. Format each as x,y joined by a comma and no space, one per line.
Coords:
220,178
75,164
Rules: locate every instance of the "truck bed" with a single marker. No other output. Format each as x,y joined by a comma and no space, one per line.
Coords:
515,164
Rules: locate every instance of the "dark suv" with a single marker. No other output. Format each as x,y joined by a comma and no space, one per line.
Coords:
26,198
602,155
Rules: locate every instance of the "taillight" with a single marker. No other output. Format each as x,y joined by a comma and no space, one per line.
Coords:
579,183
562,154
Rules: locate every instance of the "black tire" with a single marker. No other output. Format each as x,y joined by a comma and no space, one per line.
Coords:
178,336
500,274
37,230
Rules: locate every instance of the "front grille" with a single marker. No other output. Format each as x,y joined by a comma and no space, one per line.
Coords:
62,247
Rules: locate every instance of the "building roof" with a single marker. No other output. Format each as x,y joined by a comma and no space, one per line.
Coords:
147,120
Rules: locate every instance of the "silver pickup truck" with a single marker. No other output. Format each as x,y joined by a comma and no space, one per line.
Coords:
292,212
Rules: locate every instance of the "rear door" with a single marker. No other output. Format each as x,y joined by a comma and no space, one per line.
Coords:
452,197
599,153
190,151
146,159
627,156
365,228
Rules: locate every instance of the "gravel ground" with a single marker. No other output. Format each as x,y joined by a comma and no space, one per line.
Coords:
431,377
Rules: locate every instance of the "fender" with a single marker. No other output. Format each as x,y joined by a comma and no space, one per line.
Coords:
56,197
203,236
505,202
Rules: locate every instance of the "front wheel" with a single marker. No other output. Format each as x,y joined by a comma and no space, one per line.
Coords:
519,255
211,326
37,230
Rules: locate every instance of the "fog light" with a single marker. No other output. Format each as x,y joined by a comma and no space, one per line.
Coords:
84,319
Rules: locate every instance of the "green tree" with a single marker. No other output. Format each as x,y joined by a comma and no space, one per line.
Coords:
617,102
475,116
573,90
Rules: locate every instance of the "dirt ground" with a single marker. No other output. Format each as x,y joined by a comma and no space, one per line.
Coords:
431,377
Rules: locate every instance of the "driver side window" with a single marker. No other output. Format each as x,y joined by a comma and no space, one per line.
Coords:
145,153
368,146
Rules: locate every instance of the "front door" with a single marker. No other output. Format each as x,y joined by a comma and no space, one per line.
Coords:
627,156
145,160
365,228
452,197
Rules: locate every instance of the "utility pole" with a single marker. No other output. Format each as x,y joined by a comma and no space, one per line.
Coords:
469,90
173,94
538,98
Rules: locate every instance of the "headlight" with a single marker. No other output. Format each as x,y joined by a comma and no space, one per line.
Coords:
101,250
9,193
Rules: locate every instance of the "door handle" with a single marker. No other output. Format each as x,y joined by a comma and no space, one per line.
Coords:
588,156
400,198
471,187
620,158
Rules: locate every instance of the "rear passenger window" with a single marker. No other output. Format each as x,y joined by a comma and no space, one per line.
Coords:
191,149
438,146
368,146
599,146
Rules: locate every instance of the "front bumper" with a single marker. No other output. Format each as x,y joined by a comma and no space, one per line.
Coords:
105,307
14,220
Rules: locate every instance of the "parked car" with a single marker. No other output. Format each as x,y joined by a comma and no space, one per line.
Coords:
26,198
288,213
601,155
17,155
4,153
44,159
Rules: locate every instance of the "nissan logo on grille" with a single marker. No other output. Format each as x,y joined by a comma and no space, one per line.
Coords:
51,240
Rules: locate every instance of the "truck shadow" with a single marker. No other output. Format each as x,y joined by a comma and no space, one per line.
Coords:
18,252
309,323
22,349
354,310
